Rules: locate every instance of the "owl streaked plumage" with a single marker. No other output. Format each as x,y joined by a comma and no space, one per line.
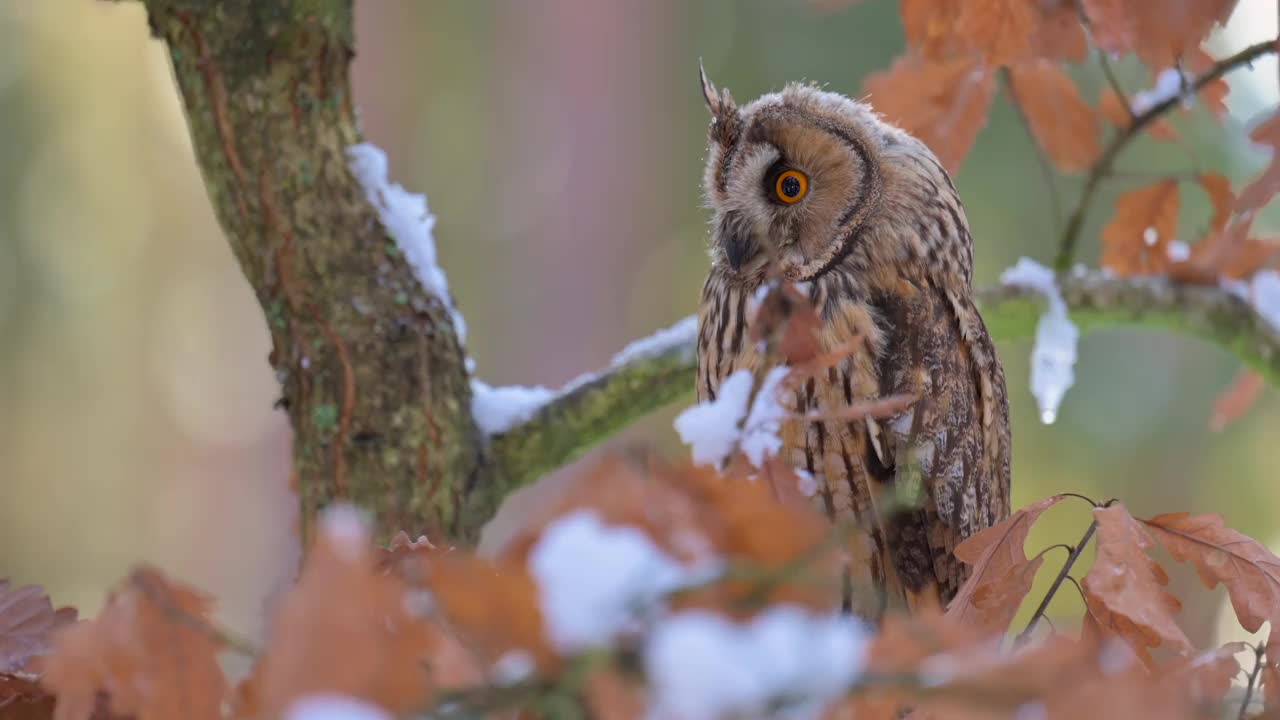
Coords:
815,187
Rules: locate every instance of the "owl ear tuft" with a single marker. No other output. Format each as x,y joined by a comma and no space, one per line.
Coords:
724,112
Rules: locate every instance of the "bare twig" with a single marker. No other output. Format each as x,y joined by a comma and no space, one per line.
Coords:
1075,223
1259,652
1057,582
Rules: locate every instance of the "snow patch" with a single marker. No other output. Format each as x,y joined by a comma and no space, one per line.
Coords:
713,429
405,216
1169,84
1150,236
1265,296
684,333
347,529
334,707
1053,357
498,409
702,665
513,667
596,581
1178,251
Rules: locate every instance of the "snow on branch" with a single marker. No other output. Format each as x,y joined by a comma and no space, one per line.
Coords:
407,220
1053,358
663,368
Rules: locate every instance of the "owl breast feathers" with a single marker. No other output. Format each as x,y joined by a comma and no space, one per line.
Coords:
812,187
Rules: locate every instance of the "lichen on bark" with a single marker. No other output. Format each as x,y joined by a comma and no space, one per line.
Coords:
371,370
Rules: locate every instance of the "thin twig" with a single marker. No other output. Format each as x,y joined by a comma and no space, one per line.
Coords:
1259,652
1075,223
1057,582
1042,159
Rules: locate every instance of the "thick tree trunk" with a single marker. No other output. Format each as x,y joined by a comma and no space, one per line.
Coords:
372,371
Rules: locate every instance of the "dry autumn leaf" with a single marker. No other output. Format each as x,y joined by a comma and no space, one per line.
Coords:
27,624
1059,35
1232,403
944,104
1258,193
149,650
1002,574
999,30
1248,570
1135,240
930,27
1159,33
344,606
1062,122
1125,588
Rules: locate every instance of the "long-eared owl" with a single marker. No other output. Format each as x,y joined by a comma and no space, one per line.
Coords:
815,188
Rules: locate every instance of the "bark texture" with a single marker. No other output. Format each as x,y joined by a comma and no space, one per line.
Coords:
370,366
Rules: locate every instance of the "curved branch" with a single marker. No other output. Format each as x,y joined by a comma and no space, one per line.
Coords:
593,409
1100,170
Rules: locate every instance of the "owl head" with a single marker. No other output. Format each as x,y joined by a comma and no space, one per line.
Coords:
803,180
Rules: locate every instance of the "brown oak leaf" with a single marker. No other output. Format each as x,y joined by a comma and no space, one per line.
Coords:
1258,193
1233,402
27,624
149,650
930,27
1062,122
1159,33
944,104
1135,240
1248,570
1000,30
1125,588
1002,574
345,606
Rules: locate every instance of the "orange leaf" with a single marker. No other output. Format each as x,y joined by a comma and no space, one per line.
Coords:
1258,193
1000,30
344,606
1062,122
1248,570
1135,240
944,104
146,650
1002,574
1159,33
1205,677
1232,403
1125,588
27,624
1060,36
930,26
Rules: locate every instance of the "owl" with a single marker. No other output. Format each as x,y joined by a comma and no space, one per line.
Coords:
814,188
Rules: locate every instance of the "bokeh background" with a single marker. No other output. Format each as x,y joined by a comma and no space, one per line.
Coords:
559,143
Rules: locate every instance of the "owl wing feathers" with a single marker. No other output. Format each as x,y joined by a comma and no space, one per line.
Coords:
950,449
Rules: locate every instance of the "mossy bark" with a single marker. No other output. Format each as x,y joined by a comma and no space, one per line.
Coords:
371,369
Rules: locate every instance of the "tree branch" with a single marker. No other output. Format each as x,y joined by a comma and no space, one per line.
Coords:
574,421
1075,224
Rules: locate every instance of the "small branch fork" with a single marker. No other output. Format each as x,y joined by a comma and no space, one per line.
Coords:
1102,168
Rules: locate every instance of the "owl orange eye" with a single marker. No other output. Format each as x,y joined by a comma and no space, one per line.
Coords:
791,186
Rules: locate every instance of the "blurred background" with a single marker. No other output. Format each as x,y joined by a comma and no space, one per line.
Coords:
560,145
